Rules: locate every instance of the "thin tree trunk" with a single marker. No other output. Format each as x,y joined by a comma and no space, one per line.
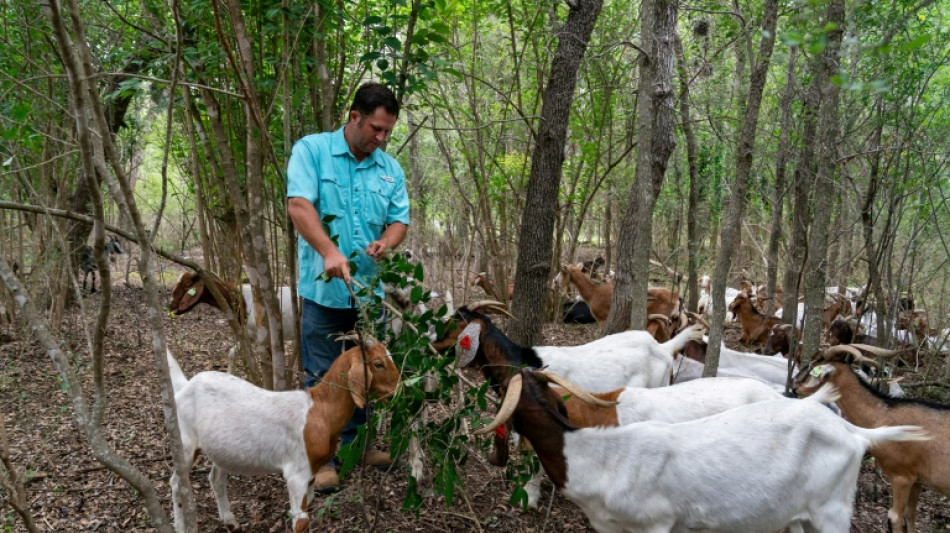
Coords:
816,265
655,117
733,223
692,155
778,196
78,62
867,222
537,223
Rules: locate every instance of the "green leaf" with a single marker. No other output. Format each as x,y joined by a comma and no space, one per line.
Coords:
416,294
372,20
916,44
382,64
418,273
370,56
393,43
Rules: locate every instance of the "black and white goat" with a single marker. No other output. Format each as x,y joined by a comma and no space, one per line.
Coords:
759,467
87,260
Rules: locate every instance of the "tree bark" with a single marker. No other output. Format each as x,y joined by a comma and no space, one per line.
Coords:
778,195
537,223
656,142
692,155
733,223
827,64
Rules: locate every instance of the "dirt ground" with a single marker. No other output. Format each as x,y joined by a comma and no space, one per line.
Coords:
70,491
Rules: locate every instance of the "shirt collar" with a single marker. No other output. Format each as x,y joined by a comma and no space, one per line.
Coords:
338,146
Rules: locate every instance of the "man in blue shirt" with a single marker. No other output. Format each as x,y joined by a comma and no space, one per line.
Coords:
342,176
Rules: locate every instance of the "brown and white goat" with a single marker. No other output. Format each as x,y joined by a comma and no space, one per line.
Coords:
762,298
599,296
908,465
755,325
718,473
190,291
244,429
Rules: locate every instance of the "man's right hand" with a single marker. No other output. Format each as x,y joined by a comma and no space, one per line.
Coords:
337,266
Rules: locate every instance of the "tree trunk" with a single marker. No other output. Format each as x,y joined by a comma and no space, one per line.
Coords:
655,119
778,196
826,64
692,154
733,223
537,224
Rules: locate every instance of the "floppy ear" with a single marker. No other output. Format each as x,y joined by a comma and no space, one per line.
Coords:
354,379
191,296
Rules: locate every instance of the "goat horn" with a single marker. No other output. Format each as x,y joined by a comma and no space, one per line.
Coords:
507,407
699,319
368,340
878,352
490,306
657,316
786,327
830,353
574,389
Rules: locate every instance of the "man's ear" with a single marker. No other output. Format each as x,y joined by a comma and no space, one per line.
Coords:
192,295
355,115
354,378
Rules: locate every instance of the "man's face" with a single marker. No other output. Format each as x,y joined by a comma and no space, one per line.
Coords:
369,131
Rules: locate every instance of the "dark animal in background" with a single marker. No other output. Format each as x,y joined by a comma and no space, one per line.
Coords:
594,269
577,313
87,260
840,332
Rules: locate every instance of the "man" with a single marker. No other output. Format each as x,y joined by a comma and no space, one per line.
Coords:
342,178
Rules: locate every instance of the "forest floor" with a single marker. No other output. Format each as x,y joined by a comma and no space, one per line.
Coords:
69,490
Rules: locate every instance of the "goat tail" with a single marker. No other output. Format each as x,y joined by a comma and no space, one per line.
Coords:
179,380
883,435
677,343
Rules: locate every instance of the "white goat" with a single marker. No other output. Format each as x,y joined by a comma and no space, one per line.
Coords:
627,359
769,368
246,430
755,468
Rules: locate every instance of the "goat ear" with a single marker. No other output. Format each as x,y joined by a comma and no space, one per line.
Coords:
354,378
192,295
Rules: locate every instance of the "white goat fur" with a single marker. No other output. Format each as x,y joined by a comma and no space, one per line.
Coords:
692,400
679,403
755,468
686,370
626,359
244,429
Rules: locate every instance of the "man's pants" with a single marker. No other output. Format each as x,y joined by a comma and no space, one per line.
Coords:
319,327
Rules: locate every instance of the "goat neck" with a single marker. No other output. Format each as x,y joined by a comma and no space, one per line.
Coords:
338,394
540,416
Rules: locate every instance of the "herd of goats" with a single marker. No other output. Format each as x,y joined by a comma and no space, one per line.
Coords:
624,426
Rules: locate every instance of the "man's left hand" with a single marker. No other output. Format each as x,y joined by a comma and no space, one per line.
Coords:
376,249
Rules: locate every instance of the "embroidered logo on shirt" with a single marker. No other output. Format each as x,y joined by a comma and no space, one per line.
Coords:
390,179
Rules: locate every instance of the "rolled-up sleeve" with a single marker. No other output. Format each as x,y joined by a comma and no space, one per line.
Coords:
302,180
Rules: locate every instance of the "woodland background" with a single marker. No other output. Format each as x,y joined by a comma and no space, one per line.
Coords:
792,143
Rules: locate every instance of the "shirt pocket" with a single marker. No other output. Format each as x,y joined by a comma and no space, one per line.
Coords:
380,193
331,197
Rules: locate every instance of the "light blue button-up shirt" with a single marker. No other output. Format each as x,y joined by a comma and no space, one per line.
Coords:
363,196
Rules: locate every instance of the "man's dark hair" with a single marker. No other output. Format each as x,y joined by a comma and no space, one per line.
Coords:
372,95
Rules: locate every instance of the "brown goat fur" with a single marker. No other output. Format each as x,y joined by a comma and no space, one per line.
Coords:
908,465
755,325
190,291
584,415
599,296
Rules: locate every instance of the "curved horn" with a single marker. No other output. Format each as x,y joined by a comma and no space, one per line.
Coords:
657,316
507,407
574,389
699,319
877,352
490,306
786,327
830,353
